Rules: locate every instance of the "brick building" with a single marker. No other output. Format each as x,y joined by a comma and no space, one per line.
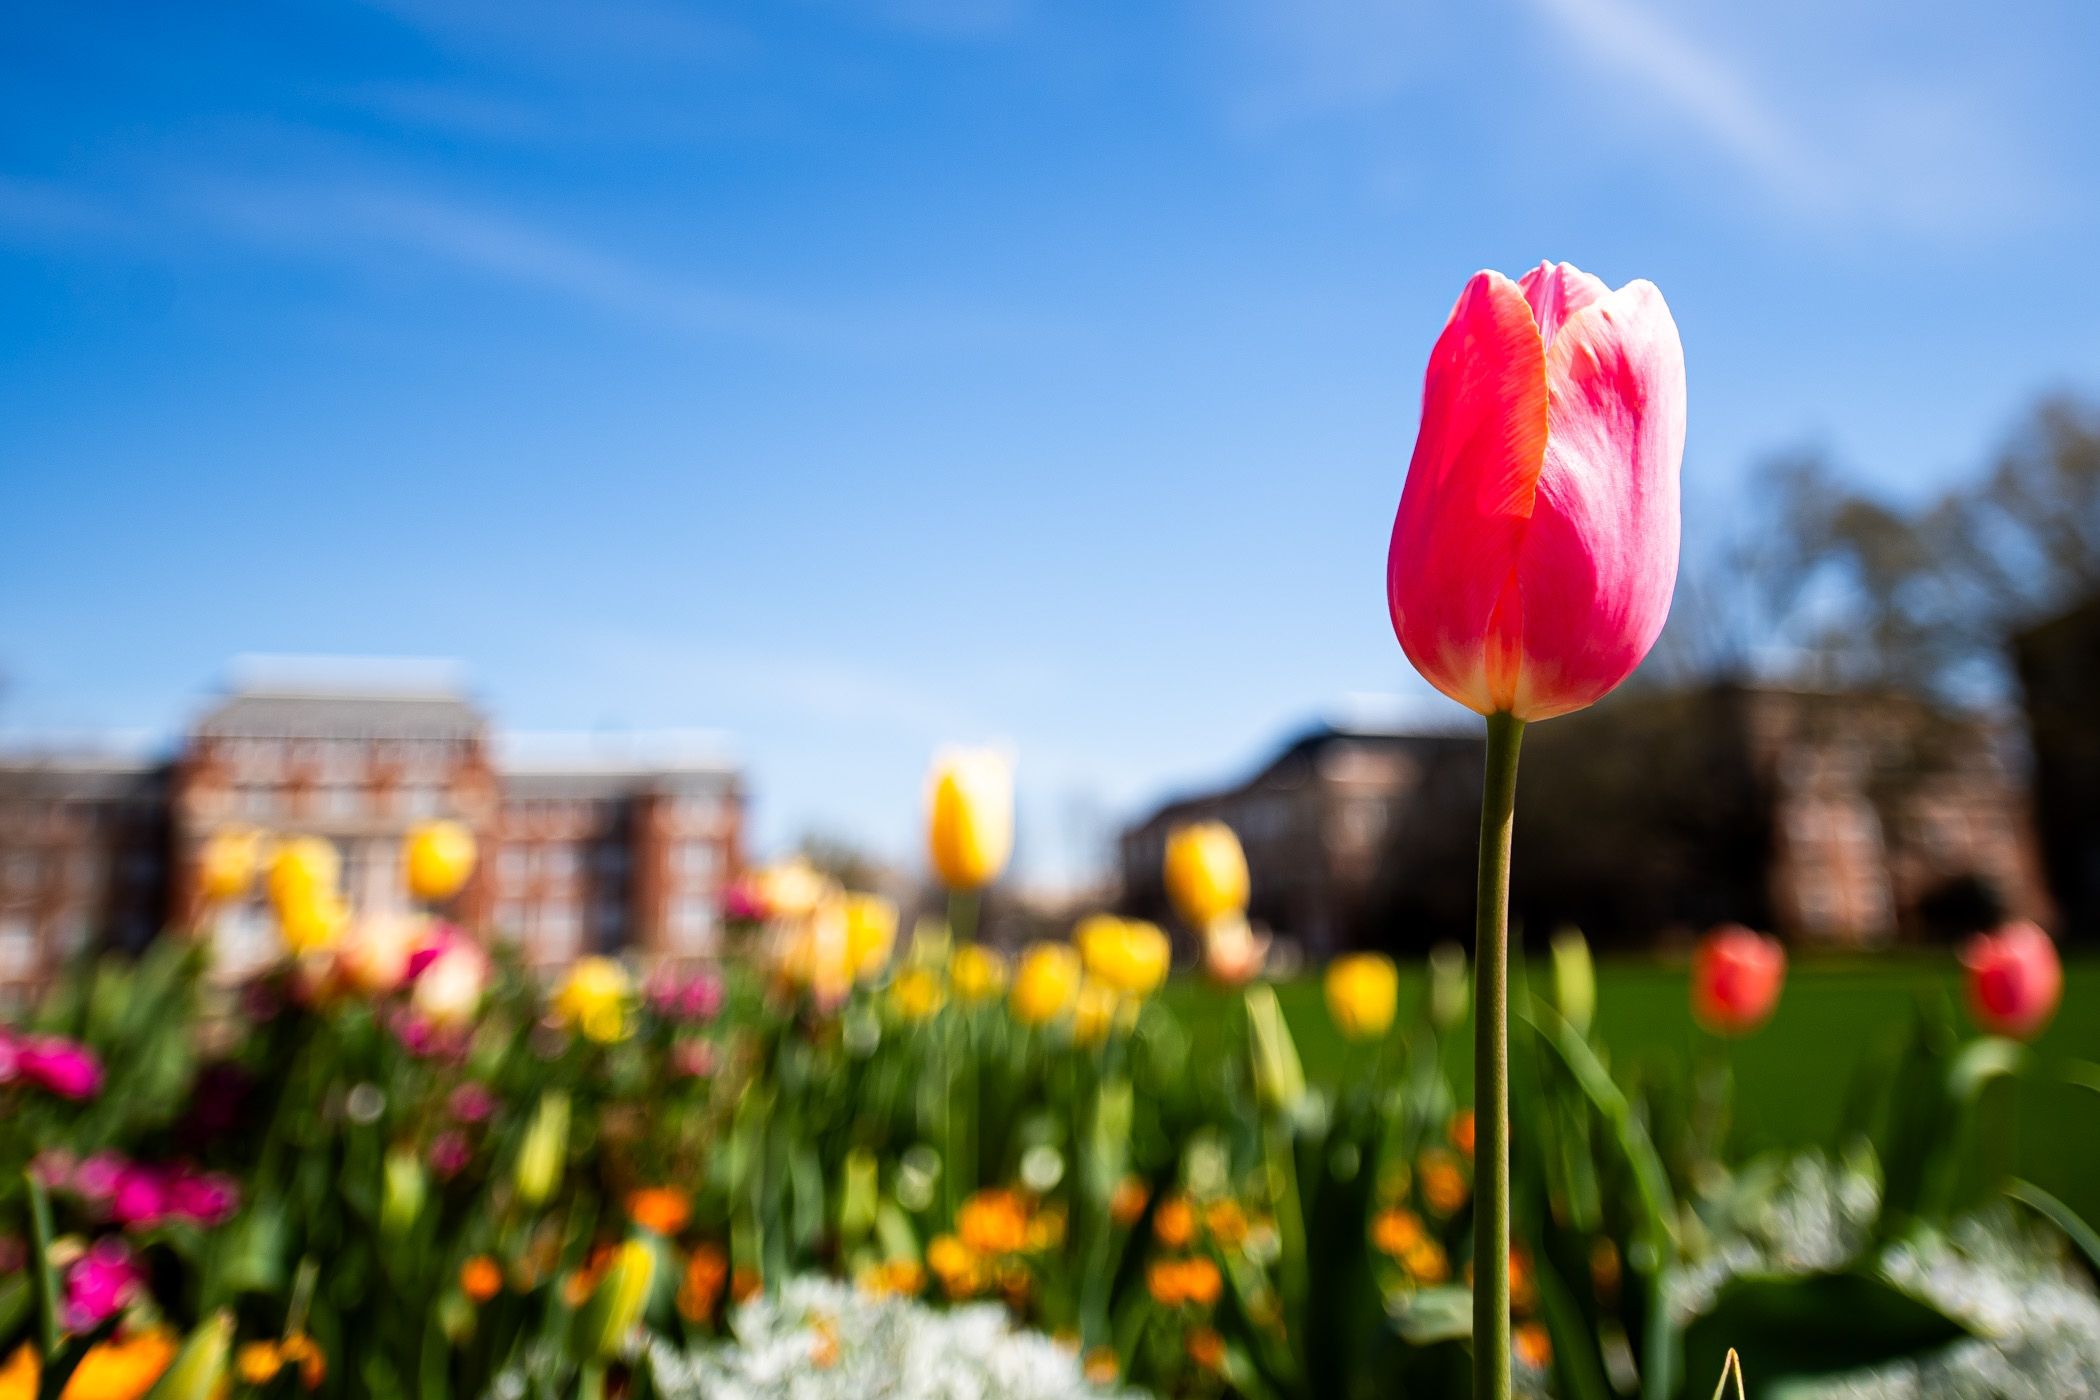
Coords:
585,846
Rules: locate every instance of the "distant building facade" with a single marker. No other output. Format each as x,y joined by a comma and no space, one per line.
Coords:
592,850
2059,666
1318,824
1836,819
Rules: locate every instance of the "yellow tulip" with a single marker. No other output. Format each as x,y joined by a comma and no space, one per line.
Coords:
593,998
790,889
1206,873
440,858
1363,991
374,951
1128,955
917,994
226,866
970,828
871,933
305,869
312,922
978,973
1044,985
1094,1011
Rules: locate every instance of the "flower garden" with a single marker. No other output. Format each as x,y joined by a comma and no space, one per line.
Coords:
852,1158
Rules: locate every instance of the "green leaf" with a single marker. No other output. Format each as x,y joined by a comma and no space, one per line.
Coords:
1436,1315
1812,1325
2064,1218
1658,1206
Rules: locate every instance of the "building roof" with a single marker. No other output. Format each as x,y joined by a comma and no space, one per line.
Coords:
293,715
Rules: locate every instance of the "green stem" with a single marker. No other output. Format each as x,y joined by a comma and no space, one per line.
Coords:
962,916
1491,1379
48,1313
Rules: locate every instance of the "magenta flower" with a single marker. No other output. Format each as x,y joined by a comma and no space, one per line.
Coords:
693,1058
65,1067
696,998
450,1153
472,1102
140,1198
100,1281
10,1058
205,1198
96,1180
743,903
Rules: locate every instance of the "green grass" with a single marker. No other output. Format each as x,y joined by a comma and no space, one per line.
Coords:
1793,1076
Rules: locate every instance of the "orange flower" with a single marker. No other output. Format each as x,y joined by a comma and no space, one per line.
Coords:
313,1366
1532,1346
1461,1131
258,1362
824,1352
1205,1347
19,1377
661,1209
1444,1188
745,1283
956,1265
1228,1224
578,1286
993,1221
901,1277
1521,1296
1101,1367
122,1368
1201,1281
1396,1231
1174,1222
1426,1262
1163,1280
1047,1230
705,1273
480,1278
1127,1202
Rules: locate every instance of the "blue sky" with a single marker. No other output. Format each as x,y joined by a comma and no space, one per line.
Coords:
858,375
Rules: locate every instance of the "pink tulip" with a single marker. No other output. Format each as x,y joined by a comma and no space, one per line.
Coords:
205,1198
2015,980
472,1102
99,1282
141,1197
65,1067
1535,550
449,1153
1736,977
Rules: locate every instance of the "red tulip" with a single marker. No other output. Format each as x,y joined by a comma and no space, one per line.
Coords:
2015,980
1736,977
1535,550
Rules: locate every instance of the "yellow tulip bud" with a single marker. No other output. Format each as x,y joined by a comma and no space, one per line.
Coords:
1093,1012
546,1146
917,994
1044,986
1279,1075
615,1309
305,870
440,858
871,933
978,973
593,998
226,866
791,889
970,830
1574,978
313,922
1363,991
1128,955
198,1371
1206,873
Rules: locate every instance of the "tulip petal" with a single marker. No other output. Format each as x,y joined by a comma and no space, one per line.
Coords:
1557,291
1470,491
1598,564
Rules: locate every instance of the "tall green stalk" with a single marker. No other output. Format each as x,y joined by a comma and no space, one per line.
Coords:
1491,1380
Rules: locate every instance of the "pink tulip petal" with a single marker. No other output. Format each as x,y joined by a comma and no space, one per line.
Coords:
1557,291
1599,563
1470,491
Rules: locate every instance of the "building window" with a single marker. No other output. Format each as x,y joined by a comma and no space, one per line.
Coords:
696,859
510,917
692,925
339,801
560,862
558,931
258,802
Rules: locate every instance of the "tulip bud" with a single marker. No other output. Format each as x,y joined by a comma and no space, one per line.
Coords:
1046,983
1128,955
1206,873
449,991
1736,977
871,934
1279,1077
375,950
970,827
1233,953
615,1308
546,1144
440,858
978,973
593,998
226,866
1447,986
305,871
198,1371
1574,979
2015,980
1363,992
401,1200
